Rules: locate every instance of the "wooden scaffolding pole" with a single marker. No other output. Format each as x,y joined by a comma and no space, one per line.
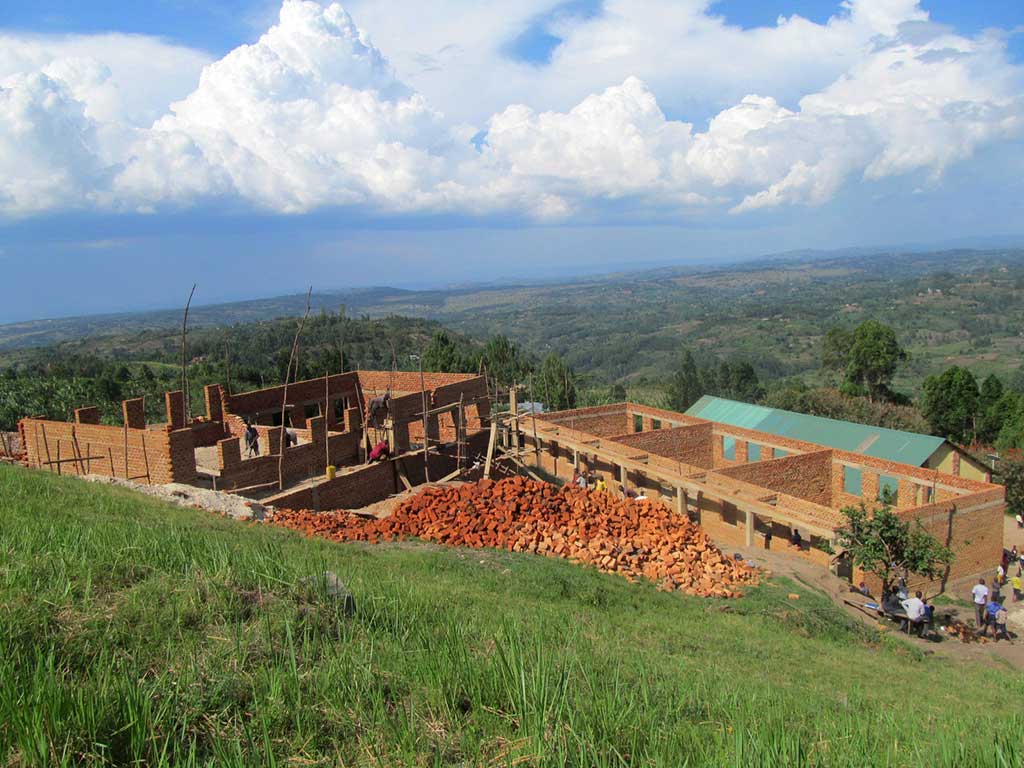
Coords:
284,397
184,364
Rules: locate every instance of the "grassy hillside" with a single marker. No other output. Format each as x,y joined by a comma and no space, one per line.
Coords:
137,633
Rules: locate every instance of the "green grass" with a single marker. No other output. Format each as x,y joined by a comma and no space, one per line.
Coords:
136,633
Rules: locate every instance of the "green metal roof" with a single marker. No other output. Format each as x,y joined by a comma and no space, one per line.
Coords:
890,444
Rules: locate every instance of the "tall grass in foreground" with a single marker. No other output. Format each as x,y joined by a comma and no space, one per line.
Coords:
134,633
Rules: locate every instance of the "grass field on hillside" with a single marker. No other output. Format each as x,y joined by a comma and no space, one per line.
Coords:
136,633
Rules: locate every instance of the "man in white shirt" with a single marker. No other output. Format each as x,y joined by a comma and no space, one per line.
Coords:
980,592
914,607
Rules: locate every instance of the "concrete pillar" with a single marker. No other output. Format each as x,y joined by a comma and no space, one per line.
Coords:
680,502
956,463
750,528
623,478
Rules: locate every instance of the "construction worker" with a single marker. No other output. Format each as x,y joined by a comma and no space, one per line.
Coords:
600,485
252,440
380,451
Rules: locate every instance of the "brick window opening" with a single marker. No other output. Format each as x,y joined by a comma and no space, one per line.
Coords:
339,409
852,481
888,490
638,423
311,410
779,453
655,424
753,452
729,448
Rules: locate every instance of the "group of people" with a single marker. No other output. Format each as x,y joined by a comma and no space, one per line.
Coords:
1011,558
915,612
586,480
989,612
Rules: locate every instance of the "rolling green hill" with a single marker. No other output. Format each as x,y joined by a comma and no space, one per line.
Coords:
136,633
953,307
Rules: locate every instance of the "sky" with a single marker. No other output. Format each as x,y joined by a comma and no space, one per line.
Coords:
259,147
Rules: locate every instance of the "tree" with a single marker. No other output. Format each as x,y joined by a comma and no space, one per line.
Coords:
1011,434
556,384
873,358
442,355
883,544
835,349
1011,474
1001,412
684,388
743,383
950,403
505,361
991,390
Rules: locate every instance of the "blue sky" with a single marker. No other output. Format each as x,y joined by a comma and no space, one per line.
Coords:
547,139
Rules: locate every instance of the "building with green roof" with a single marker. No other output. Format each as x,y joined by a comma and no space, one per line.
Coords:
889,444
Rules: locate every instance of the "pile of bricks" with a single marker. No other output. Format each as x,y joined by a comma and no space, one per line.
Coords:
635,539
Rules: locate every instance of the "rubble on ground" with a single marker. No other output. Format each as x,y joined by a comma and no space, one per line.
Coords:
633,538
222,502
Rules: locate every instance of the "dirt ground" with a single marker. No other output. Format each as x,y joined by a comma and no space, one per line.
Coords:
956,603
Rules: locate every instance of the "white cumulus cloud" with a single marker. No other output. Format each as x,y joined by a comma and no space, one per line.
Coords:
313,115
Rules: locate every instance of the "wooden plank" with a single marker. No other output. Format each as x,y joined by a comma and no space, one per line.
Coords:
400,471
490,448
72,460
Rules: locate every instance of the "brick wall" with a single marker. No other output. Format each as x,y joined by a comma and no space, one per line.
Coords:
213,394
166,455
87,415
691,444
300,461
174,403
808,476
134,412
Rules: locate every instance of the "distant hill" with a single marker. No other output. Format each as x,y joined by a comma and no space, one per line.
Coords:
958,306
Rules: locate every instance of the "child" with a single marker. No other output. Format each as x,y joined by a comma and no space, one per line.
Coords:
1000,624
1015,583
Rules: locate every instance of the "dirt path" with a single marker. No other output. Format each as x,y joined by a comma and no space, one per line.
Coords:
957,605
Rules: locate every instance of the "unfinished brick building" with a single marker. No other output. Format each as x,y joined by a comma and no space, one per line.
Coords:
752,488
325,419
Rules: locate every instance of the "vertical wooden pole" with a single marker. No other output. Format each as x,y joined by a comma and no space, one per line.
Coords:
145,457
58,456
46,445
426,438
39,454
78,453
